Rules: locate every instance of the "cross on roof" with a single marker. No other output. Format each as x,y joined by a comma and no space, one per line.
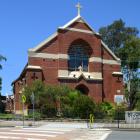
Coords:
79,7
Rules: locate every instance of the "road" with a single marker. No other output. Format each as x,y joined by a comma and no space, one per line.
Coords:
65,131
124,135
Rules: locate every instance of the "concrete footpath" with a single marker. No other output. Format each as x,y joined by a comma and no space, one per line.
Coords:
82,125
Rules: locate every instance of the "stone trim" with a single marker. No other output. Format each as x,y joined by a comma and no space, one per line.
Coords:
117,73
111,62
33,67
65,74
66,57
80,30
95,59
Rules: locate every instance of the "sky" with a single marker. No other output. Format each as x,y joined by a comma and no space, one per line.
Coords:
25,23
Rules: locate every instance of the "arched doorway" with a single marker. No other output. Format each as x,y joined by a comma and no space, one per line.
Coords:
83,89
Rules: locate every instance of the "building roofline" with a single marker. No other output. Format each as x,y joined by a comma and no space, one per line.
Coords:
20,74
44,42
79,19
110,51
25,68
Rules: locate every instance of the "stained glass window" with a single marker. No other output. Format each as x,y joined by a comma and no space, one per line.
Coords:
78,57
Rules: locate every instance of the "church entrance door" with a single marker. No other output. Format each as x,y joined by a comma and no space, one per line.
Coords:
83,89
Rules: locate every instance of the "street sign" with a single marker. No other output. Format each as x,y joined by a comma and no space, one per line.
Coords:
118,99
23,98
32,98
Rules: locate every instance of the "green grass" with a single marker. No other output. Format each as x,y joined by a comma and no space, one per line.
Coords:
6,116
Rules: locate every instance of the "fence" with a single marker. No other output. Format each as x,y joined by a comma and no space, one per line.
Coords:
99,120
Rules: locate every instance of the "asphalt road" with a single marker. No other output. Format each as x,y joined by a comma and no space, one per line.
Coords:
124,135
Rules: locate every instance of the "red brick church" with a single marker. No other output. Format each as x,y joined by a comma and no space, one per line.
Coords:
76,56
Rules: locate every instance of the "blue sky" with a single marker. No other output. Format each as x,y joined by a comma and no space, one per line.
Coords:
25,23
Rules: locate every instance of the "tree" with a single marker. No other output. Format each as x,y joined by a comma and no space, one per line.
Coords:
130,55
1,59
125,43
116,34
0,84
2,106
83,106
38,88
133,94
58,100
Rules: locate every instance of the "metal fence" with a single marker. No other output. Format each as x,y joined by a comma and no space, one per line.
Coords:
129,120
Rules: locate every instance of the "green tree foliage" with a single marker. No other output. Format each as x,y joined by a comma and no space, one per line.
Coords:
125,43
1,59
0,84
130,55
104,110
51,99
72,103
83,106
38,88
116,34
2,106
133,94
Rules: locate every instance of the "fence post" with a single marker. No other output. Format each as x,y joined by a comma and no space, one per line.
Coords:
118,117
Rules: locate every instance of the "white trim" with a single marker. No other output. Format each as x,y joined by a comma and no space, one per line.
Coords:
71,22
107,48
78,19
80,30
66,57
48,55
43,55
117,73
63,56
65,74
81,21
95,59
44,42
104,61
33,67
111,62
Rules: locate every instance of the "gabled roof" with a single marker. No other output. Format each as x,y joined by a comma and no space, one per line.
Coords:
76,19
110,51
24,71
44,42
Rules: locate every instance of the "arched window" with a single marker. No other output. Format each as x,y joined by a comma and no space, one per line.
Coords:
79,53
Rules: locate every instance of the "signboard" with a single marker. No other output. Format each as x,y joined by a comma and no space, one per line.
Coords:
32,98
23,98
132,117
118,99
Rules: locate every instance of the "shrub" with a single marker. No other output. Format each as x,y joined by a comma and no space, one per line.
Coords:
104,110
83,106
48,110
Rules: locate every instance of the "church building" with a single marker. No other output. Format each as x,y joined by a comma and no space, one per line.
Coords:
76,56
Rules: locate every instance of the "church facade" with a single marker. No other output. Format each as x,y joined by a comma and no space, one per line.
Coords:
76,56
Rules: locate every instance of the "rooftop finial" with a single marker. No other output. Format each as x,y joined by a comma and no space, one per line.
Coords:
79,7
